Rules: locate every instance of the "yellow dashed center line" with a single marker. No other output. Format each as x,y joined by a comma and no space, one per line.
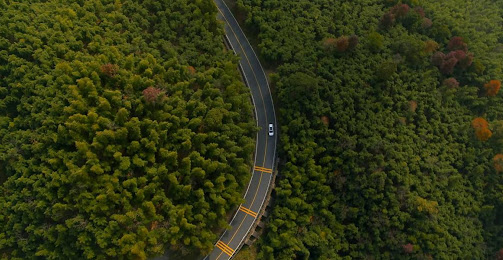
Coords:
225,248
248,211
265,153
262,169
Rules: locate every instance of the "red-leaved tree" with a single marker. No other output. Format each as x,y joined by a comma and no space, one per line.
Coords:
426,23
419,10
388,20
109,70
448,65
451,83
408,248
458,54
466,61
457,43
151,94
400,10
438,58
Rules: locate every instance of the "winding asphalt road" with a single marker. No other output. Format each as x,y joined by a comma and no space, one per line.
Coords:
265,150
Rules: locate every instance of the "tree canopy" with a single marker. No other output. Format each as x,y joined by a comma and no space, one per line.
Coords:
380,159
124,129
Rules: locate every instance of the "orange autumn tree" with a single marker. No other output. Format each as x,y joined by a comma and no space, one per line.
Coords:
192,70
483,134
481,127
493,87
412,105
498,162
479,123
340,44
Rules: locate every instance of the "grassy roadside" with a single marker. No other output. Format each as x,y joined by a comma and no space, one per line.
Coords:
247,253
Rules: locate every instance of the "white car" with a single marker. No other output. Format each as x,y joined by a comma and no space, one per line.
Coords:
271,130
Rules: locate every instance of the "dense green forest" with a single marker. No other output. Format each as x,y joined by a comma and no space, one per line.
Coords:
125,129
391,127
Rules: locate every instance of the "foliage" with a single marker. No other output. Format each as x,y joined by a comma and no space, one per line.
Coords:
493,87
109,70
481,127
451,83
483,134
342,44
247,253
375,41
430,207
329,44
353,42
93,163
479,123
359,157
386,70
151,94
498,162
408,248
430,46
458,55
457,43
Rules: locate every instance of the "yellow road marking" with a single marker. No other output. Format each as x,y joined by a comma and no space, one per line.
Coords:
249,63
262,169
263,104
225,248
248,211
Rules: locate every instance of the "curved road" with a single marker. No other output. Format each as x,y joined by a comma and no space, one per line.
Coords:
265,150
